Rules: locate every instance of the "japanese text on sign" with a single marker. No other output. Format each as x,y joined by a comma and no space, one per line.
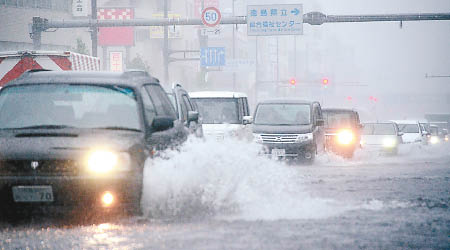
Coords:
115,61
281,19
212,56
80,8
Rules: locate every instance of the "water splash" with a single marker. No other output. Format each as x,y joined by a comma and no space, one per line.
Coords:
228,180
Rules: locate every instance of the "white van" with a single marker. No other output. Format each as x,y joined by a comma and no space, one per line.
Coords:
412,131
223,113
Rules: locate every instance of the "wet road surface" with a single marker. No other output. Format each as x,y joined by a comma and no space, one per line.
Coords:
371,202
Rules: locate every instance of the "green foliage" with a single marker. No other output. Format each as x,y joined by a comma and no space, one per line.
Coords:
138,63
81,47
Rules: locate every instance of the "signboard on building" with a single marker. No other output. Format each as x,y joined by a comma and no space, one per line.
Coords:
212,56
273,20
157,32
116,61
206,3
117,36
80,8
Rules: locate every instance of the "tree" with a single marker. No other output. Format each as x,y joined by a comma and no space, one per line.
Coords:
81,47
138,63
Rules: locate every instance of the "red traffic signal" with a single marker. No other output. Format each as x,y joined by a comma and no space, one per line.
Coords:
292,81
325,81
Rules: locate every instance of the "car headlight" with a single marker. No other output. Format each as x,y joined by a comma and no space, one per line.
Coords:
257,138
103,161
434,139
304,137
345,137
389,143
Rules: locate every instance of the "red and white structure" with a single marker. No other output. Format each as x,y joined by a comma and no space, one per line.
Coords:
15,63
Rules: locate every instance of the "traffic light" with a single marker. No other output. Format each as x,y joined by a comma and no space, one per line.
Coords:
349,98
293,81
325,81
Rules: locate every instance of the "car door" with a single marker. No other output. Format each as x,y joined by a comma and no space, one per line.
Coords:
157,104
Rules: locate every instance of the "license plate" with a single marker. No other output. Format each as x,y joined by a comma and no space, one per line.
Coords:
278,152
32,193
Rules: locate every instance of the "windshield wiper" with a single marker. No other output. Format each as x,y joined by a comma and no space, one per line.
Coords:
45,127
119,128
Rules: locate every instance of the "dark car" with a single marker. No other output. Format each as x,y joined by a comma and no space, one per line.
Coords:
186,109
342,131
81,139
289,129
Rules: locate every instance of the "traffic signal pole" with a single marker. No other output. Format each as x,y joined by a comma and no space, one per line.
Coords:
40,25
166,45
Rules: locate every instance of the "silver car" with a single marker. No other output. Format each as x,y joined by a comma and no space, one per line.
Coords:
381,136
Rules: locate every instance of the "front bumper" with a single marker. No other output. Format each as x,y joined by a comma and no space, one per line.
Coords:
292,150
71,192
378,148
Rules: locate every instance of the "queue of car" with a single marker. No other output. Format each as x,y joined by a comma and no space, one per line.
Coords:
71,140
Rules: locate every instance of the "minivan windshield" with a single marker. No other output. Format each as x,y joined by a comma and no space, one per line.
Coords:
283,114
378,129
218,110
63,105
337,119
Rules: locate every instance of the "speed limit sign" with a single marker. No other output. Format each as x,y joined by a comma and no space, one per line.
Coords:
211,16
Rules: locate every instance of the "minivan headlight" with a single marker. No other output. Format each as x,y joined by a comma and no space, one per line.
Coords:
104,161
304,137
389,143
345,137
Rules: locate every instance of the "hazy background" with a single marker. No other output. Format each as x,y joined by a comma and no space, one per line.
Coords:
381,59
361,60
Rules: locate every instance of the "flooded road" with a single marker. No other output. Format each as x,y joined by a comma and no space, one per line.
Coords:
223,196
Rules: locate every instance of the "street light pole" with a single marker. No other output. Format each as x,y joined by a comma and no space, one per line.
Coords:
94,29
166,45
234,51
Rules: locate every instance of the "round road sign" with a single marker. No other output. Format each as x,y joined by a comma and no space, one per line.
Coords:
211,16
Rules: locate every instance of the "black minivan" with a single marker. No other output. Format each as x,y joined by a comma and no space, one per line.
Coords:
289,129
72,140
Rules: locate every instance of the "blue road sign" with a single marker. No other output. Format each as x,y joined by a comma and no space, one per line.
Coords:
274,20
212,56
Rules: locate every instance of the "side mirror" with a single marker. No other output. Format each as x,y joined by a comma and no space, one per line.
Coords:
247,120
192,116
320,122
162,123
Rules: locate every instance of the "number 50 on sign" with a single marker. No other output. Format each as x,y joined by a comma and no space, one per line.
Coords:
211,16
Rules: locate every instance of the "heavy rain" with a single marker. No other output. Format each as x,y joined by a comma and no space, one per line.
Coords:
224,124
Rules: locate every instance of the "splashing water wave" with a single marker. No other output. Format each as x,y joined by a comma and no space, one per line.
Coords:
228,180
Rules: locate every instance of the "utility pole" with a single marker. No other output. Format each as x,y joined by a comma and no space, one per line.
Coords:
234,50
166,45
94,36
